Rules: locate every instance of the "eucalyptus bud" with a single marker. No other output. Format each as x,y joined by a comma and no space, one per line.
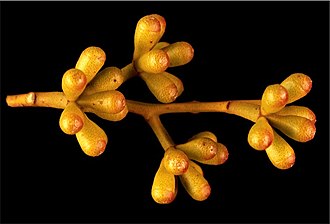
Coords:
109,78
72,119
92,139
164,187
195,184
199,148
298,128
298,111
74,82
274,98
91,61
164,89
154,61
175,161
148,32
261,134
280,153
179,53
297,85
111,101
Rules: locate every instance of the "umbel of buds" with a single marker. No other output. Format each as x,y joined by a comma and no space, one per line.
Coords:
87,88
297,122
151,58
179,163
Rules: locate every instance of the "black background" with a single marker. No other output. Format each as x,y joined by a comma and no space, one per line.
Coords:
240,48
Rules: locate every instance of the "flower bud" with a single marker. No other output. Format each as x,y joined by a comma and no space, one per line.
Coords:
274,98
298,128
163,88
72,119
154,61
298,111
199,148
195,184
74,82
109,78
220,158
280,153
205,134
175,161
148,32
160,45
111,101
297,85
179,53
112,117
92,139
164,187
261,134
178,83
196,166
91,61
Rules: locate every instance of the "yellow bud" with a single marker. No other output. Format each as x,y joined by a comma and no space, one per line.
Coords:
297,85
164,187
72,119
280,153
298,128
178,83
298,111
160,45
74,82
205,134
274,98
112,117
148,32
196,166
199,148
109,78
261,134
154,61
220,158
111,101
163,88
92,139
179,53
91,61
175,161
195,184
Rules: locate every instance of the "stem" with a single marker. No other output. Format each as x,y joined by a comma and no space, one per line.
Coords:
38,99
245,109
129,71
160,131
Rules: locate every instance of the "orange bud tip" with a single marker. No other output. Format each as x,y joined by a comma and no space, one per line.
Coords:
100,147
163,196
290,161
310,131
98,150
304,80
71,124
205,192
224,156
149,23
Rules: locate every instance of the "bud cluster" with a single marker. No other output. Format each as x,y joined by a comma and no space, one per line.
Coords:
151,58
297,122
180,162
88,90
